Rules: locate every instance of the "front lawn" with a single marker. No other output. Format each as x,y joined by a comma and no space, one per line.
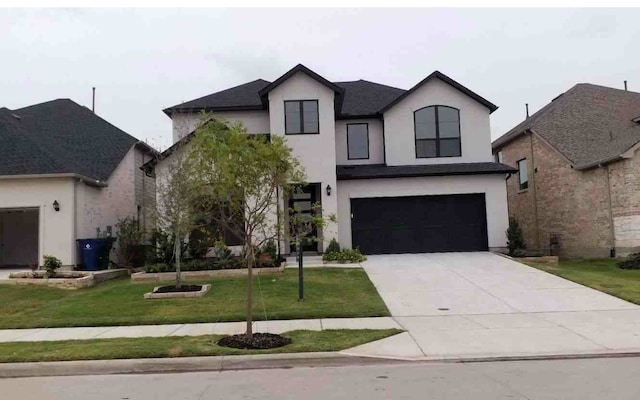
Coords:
180,346
603,275
329,293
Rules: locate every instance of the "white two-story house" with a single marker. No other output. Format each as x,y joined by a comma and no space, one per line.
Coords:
404,171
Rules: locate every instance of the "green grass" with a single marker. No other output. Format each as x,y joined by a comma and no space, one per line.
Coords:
603,275
328,293
179,346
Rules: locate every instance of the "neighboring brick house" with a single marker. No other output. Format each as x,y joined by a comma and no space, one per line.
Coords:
577,192
65,173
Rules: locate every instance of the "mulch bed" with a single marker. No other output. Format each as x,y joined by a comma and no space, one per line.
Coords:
260,341
174,289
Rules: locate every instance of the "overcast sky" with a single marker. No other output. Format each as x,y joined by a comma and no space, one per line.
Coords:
142,61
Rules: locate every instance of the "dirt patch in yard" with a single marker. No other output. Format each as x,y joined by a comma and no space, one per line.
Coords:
175,289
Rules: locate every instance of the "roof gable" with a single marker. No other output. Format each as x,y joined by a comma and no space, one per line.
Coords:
439,75
298,68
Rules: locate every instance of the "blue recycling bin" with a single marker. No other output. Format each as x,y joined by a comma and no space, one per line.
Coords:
94,253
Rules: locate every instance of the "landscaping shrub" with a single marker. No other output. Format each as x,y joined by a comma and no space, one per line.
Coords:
129,241
200,240
163,247
515,238
51,264
267,256
333,246
344,256
631,262
206,264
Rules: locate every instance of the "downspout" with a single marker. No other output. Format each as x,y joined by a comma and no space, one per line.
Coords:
612,251
535,191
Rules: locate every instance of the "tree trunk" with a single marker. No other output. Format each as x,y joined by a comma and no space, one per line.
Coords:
177,250
250,260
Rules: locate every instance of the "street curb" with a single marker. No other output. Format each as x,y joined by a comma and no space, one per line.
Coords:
183,364
250,362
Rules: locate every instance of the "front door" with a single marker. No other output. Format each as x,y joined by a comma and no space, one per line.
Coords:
303,199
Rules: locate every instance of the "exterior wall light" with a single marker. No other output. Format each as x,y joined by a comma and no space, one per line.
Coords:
56,205
328,189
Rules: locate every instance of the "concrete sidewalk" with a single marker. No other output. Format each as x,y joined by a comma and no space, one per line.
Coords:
218,328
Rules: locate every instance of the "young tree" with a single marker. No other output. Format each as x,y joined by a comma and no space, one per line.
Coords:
242,175
176,211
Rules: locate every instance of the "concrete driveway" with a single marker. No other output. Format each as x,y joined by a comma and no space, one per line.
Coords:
470,305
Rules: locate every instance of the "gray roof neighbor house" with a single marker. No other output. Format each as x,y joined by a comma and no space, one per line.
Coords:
588,124
60,136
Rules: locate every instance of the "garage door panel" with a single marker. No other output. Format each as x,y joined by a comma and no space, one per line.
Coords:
419,224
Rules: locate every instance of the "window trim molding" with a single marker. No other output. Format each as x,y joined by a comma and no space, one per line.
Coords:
301,103
437,138
368,143
520,188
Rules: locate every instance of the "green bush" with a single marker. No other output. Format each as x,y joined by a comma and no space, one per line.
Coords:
51,264
163,247
333,246
515,238
344,256
267,256
631,262
129,238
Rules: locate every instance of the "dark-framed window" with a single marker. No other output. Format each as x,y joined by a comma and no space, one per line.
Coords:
498,157
523,174
437,132
358,141
301,117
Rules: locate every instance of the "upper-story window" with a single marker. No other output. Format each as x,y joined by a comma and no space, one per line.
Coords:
523,174
301,117
498,157
357,141
437,130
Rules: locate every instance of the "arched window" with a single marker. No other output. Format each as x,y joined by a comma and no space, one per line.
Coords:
437,130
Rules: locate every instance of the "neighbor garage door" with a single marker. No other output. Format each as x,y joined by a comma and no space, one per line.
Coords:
420,224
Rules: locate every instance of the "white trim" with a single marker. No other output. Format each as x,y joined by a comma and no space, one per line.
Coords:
83,178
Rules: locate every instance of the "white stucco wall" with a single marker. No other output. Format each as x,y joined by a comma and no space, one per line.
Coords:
254,121
376,145
475,129
56,230
100,207
316,152
493,186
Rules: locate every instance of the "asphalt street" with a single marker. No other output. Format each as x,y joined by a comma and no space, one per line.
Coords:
553,379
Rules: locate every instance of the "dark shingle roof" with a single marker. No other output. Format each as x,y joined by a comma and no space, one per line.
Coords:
244,96
363,98
354,98
60,136
372,171
588,124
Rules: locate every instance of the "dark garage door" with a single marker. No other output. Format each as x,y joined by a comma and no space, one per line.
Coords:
420,224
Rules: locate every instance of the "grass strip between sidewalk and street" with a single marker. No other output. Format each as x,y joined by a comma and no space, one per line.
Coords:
601,274
329,293
180,346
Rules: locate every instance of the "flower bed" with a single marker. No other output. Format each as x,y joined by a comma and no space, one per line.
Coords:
200,275
64,279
